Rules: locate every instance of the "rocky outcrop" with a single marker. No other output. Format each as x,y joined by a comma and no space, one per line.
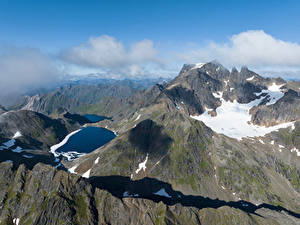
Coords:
284,110
47,196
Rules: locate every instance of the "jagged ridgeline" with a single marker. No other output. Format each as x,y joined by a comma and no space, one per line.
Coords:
212,146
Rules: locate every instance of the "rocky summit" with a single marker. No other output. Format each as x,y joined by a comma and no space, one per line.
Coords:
211,146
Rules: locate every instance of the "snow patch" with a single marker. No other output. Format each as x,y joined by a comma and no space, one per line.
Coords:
293,127
142,165
97,160
295,150
231,89
87,174
16,221
138,117
250,78
198,65
274,93
72,169
261,141
218,95
17,134
272,142
71,155
162,192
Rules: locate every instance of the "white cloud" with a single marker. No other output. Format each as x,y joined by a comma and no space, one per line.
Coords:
22,69
253,48
106,52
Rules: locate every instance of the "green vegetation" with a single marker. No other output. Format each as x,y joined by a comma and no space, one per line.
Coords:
290,138
244,179
160,219
291,173
81,207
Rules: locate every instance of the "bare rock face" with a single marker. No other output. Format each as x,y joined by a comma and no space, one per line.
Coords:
284,110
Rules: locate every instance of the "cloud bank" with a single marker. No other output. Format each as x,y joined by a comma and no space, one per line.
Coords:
106,52
22,69
253,48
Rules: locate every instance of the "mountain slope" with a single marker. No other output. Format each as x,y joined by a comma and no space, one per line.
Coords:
167,166
77,98
160,140
34,130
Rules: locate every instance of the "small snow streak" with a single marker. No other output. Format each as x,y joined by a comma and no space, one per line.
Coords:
198,65
138,117
250,78
142,165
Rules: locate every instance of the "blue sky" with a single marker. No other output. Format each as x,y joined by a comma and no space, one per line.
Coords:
146,38
56,24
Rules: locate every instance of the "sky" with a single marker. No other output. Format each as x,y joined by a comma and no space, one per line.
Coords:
41,40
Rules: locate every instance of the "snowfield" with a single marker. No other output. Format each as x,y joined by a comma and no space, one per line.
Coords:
233,119
57,146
